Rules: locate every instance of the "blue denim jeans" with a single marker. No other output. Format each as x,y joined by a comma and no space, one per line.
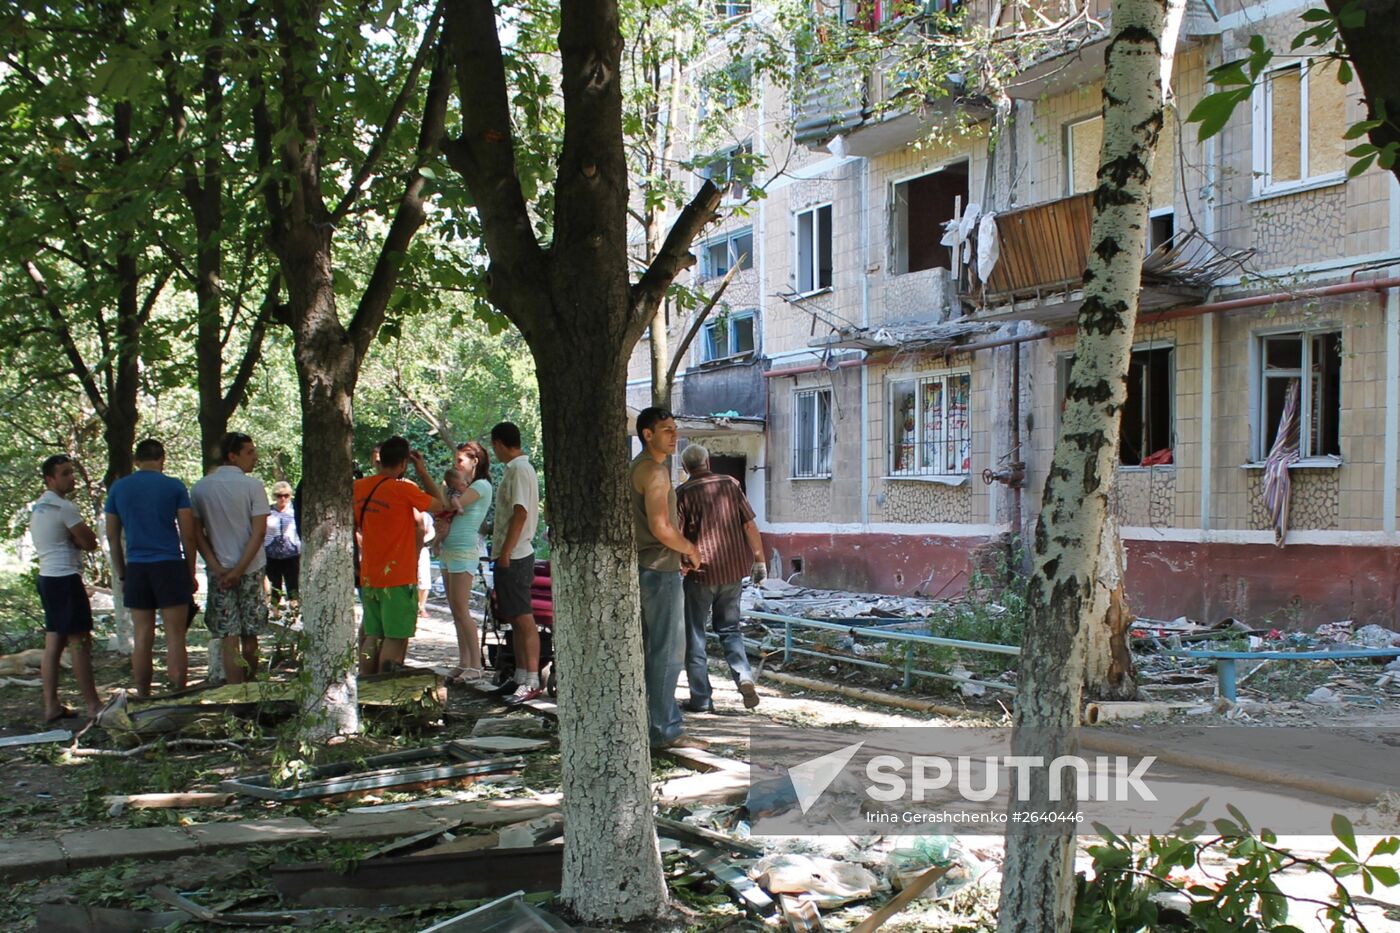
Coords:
722,604
663,648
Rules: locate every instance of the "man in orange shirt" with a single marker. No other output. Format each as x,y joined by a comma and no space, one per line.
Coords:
386,528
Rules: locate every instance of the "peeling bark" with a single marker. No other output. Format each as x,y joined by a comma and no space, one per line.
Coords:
1108,663
1038,874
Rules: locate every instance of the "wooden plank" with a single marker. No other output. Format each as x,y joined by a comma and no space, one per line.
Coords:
753,897
901,900
687,832
801,916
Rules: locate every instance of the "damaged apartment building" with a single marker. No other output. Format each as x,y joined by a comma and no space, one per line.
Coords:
888,387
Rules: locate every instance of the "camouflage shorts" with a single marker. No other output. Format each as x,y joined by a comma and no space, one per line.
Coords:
238,611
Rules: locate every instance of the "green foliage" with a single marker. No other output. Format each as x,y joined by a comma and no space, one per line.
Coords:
1239,79
1130,870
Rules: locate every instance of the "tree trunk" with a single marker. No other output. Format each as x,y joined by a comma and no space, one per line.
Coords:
1038,874
1108,662
326,372
612,864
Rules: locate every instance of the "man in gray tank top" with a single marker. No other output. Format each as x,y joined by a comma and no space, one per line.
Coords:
661,551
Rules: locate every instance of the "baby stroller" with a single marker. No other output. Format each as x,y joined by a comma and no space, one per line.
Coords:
497,647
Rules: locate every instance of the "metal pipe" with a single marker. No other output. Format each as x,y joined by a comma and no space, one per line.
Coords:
789,621
862,662
1016,454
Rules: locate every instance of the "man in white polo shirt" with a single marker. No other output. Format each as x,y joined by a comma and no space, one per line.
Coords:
59,534
231,510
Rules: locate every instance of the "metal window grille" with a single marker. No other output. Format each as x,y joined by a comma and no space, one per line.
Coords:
931,426
811,453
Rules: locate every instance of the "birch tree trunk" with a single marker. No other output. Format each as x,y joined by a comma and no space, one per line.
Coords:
1108,662
1038,874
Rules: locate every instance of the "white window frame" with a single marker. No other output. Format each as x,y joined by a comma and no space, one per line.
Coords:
732,253
1259,397
1262,107
728,321
819,449
894,435
732,9
814,251
1069,152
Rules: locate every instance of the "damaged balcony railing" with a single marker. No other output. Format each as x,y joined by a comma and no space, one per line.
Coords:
911,641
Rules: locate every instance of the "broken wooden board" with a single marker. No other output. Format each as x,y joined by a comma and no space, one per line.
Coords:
422,767
688,832
422,879
462,844
532,832
411,695
828,882
901,900
80,918
119,802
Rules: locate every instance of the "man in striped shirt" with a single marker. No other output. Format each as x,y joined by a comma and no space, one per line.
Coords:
716,516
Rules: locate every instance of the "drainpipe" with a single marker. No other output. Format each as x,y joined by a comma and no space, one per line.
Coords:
1018,462
864,322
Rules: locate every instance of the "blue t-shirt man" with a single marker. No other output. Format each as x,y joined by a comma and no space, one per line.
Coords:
147,502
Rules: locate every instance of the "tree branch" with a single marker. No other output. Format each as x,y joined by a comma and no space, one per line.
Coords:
484,155
675,255
252,353
65,339
409,216
427,47
699,322
433,420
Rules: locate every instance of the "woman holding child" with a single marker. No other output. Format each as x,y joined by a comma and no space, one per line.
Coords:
469,494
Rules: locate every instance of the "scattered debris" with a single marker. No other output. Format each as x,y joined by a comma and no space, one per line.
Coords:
965,686
81,918
37,738
504,743
827,882
523,726
801,914
730,873
1322,696
531,832
688,832
509,914
29,661
120,802
421,767
900,900
423,879
269,918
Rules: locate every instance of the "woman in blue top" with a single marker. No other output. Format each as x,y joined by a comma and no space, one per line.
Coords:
469,493
282,545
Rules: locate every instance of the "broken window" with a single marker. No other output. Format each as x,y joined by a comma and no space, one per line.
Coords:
1288,357
731,171
1147,425
930,426
1299,124
921,207
1145,429
813,250
1083,140
718,256
1161,227
728,335
811,449
732,9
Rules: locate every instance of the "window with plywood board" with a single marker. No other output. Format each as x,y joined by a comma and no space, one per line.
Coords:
1299,122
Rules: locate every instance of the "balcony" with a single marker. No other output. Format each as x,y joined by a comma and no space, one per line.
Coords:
1044,249
869,106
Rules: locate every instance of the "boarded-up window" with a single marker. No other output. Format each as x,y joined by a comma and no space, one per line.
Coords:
1083,140
1301,120
1327,120
1285,96
1164,165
